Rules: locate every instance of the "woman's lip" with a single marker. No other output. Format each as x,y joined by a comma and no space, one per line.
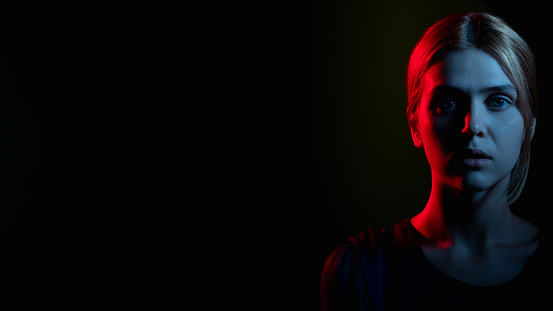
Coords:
476,153
472,158
473,154
475,162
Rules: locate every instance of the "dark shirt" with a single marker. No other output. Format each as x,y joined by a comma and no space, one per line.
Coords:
386,269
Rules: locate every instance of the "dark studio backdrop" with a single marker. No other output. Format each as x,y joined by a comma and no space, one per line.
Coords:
50,91
81,142
107,111
341,158
31,95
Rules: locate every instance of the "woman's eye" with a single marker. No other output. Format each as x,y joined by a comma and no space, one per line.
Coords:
445,105
498,103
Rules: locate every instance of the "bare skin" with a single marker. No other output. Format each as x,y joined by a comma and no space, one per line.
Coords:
468,103
486,245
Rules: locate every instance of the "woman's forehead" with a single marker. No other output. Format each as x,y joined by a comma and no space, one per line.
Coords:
471,71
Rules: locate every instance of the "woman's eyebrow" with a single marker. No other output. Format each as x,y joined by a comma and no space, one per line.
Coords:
498,88
444,90
449,89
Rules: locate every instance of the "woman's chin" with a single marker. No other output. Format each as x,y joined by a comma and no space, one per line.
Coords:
478,182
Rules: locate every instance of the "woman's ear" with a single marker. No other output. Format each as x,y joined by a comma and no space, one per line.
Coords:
415,133
533,127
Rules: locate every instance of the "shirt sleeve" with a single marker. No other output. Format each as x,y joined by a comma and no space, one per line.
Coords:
355,274
342,285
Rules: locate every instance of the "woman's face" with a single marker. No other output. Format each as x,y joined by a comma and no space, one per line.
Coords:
468,122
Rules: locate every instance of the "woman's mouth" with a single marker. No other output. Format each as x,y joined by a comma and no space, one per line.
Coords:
475,162
473,158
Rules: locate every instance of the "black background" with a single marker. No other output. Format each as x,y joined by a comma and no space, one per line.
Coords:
88,148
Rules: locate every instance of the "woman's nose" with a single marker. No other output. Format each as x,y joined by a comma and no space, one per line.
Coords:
473,123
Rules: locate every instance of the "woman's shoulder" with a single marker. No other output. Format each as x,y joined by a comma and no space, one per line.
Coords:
399,235
372,247
365,256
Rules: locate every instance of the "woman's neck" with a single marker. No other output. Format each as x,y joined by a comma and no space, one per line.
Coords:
472,219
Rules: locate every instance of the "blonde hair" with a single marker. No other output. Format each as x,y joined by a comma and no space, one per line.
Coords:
489,33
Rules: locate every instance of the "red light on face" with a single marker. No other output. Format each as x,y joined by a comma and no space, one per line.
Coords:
466,122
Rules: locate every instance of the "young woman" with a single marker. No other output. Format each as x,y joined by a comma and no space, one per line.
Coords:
472,104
